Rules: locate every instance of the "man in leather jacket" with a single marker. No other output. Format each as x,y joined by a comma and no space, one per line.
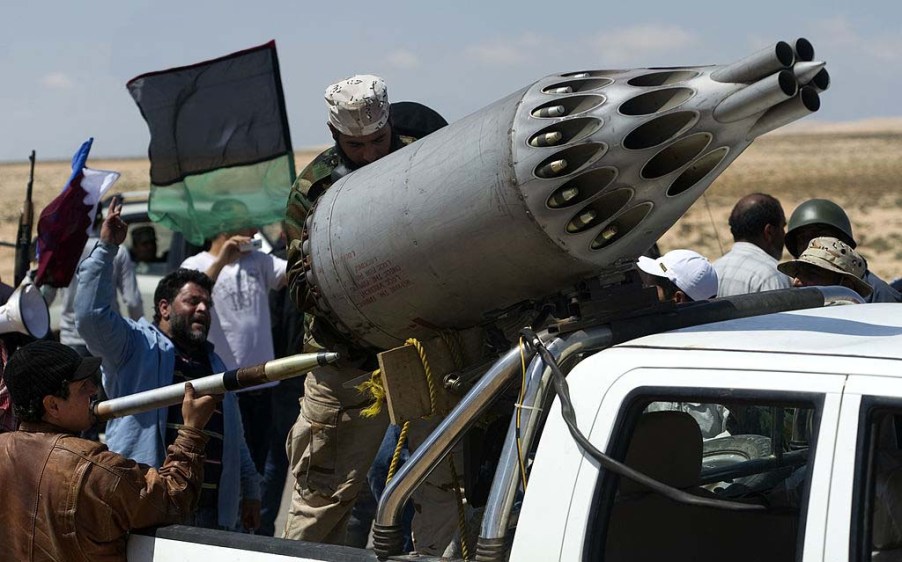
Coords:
67,498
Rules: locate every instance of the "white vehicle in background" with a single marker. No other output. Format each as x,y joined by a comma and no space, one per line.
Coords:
172,249
765,427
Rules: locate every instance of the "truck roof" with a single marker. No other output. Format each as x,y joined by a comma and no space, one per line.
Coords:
862,330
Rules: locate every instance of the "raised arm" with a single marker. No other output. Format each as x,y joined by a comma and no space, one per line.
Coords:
106,333
127,284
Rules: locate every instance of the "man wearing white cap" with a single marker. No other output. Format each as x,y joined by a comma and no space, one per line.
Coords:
680,276
360,123
685,276
331,446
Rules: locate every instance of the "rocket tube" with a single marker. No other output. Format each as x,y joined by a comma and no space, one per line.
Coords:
246,377
758,65
790,110
758,97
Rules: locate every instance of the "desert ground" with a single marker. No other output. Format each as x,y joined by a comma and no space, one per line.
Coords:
858,165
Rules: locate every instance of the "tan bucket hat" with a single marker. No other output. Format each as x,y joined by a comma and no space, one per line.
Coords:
833,255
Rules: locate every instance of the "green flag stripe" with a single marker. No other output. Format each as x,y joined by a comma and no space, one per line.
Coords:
203,205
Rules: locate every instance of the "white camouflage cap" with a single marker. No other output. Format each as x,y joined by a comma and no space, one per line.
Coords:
690,271
358,106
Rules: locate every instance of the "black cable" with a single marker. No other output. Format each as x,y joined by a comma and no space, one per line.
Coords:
563,391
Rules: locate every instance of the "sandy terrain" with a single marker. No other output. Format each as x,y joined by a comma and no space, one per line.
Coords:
858,165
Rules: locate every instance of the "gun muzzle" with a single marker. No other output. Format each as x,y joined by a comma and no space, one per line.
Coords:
246,377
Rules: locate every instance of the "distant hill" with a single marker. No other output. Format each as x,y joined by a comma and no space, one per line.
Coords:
865,126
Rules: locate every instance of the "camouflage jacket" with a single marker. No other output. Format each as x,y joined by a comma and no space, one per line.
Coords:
311,183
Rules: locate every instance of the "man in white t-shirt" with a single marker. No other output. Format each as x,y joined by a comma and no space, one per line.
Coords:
241,320
240,327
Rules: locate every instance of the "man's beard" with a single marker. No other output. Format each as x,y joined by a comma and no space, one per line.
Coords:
180,326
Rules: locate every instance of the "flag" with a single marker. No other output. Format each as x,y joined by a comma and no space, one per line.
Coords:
220,150
67,221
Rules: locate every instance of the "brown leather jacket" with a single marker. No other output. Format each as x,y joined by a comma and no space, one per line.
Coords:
66,498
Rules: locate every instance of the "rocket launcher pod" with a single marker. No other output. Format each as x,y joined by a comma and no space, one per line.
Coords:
570,177
246,377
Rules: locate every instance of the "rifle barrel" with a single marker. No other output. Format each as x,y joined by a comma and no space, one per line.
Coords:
23,236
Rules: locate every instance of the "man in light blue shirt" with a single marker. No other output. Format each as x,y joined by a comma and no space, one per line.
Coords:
140,356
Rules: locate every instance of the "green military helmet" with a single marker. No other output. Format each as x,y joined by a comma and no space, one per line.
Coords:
818,212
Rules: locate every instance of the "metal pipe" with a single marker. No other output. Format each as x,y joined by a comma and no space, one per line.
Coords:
436,447
246,377
803,50
718,310
757,97
821,81
758,65
507,477
803,104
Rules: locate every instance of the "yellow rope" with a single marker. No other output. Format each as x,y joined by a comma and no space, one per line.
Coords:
452,340
461,514
376,391
395,459
422,352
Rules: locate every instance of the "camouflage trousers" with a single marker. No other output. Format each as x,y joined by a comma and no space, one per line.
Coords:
330,450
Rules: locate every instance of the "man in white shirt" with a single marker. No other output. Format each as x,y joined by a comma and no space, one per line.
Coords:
758,225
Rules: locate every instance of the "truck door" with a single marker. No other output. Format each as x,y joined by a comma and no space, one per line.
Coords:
865,518
752,436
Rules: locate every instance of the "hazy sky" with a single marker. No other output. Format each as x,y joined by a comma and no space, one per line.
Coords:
64,65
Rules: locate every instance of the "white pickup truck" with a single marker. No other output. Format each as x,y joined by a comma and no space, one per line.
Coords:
772,423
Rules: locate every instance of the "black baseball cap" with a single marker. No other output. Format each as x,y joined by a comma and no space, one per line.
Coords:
39,369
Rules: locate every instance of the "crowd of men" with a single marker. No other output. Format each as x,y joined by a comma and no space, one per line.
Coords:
222,463
818,236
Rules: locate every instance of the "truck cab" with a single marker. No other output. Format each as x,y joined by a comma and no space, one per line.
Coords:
797,412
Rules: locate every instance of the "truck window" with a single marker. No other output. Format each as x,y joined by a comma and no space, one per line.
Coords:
879,483
746,450
148,244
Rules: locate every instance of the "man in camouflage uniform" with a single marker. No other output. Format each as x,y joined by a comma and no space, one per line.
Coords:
331,446
822,217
